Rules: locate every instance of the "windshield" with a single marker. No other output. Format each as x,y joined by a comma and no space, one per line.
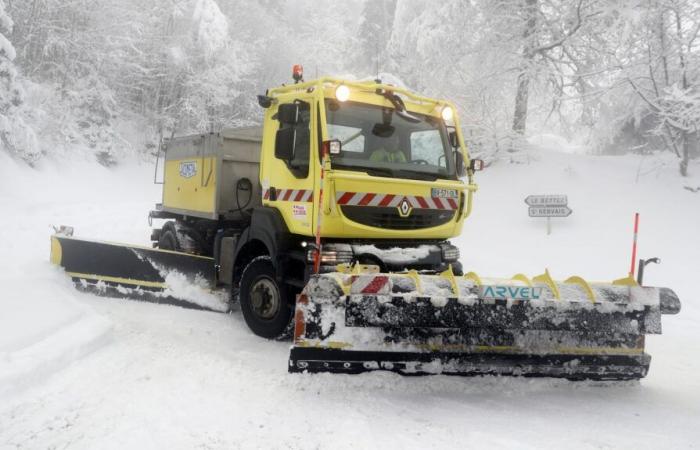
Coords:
377,140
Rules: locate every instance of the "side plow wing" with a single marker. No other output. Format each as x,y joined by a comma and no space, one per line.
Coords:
427,324
141,273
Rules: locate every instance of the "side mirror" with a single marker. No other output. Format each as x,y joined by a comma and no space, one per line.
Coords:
459,163
284,143
264,101
333,147
476,165
454,141
288,113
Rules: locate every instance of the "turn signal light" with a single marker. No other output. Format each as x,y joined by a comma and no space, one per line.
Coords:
476,165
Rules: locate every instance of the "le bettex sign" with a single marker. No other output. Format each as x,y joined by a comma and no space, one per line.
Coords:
548,206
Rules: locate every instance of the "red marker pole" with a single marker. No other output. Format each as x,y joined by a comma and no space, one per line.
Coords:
634,244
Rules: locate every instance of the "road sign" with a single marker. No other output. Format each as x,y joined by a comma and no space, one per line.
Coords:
549,211
548,206
546,200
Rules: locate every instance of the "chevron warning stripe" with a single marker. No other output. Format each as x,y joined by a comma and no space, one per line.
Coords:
370,284
393,200
290,195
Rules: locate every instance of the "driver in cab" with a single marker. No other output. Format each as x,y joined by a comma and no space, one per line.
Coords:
388,151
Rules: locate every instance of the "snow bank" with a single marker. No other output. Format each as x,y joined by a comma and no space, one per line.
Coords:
44,325
51,347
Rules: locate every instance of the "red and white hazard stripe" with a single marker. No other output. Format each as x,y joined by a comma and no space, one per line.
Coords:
291,195
370,284
393,200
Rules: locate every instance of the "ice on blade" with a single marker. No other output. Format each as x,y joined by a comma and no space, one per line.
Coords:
425,324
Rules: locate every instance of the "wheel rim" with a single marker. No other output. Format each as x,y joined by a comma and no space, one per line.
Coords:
264,298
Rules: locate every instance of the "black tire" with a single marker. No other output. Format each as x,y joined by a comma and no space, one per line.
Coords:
168,237
168,241
265,305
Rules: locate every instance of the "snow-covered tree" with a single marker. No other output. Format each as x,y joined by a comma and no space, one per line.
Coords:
64,46
621,75
650,59
15,136
376,25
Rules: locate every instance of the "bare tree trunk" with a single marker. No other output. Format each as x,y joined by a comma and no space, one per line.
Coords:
521,97
685,154
685,145
522,94
662,44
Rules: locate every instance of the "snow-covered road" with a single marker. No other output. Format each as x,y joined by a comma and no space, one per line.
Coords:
81,371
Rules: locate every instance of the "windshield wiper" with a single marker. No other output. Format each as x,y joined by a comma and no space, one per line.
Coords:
379,170
421,175
384,171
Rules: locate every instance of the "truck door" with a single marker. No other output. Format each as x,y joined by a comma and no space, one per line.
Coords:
288,181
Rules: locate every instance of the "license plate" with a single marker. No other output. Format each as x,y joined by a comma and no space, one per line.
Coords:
444,193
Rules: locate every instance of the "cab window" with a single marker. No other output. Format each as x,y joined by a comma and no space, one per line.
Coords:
299,164
352,138
428,146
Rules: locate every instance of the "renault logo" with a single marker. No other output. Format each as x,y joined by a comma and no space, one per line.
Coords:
405,208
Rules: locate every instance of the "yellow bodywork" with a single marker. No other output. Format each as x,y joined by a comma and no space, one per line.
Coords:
191,182
300,217
56,254
193,193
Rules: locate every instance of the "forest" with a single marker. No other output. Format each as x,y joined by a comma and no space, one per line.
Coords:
109,79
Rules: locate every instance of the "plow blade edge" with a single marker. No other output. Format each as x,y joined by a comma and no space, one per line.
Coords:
130,271
428,324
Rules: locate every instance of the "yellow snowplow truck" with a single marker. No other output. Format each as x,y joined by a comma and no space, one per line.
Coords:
331,223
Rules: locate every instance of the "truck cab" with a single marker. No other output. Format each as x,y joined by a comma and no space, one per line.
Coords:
393,175
347,172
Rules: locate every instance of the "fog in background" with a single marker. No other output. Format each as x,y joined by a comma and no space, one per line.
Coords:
107,79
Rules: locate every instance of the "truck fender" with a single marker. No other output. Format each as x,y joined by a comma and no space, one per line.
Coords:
268,228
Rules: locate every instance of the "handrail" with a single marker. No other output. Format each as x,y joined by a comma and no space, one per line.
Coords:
155,170
368,86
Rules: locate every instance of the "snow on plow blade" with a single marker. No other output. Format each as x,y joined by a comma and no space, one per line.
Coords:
137,272
427,324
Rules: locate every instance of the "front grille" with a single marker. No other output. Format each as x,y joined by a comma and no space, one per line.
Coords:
390,218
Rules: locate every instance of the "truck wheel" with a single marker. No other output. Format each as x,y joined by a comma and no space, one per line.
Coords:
168,241
168,237
264,304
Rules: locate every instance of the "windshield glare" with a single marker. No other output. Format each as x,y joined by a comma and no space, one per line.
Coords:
378,140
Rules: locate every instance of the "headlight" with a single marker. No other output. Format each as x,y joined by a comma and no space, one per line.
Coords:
450,253
447,113
332,254
342,93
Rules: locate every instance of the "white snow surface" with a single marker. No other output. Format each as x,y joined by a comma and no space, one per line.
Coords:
197,292
394,255
82,371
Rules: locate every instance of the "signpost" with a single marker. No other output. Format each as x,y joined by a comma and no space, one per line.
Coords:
548,206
